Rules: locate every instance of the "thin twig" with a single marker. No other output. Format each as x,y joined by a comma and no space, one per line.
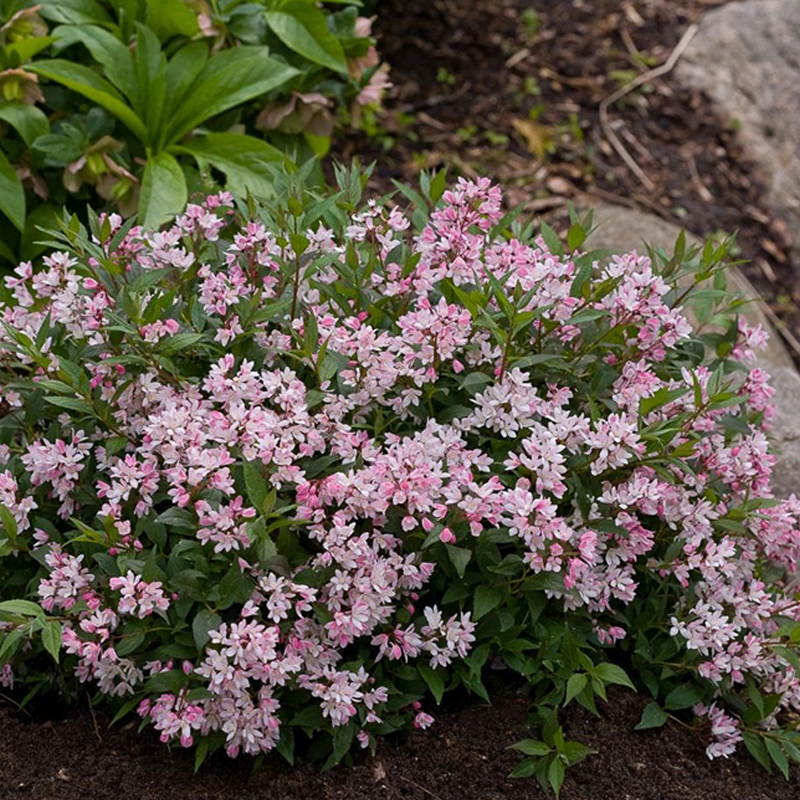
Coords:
436,100
94,722
421,788
627,89
702,189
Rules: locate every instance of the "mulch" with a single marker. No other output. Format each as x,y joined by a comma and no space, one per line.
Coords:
508,89
464,756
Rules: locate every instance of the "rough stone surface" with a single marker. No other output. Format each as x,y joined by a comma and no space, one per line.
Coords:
623,229
786,431
746,58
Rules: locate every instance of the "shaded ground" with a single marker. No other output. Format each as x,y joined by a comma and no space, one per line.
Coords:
463,757
512,89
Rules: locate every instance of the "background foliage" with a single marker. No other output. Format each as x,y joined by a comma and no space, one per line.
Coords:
140,103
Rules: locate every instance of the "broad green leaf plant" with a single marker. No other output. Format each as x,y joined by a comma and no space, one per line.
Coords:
141,103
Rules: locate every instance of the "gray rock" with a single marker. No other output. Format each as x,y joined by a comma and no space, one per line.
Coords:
623,229
786,431
746,58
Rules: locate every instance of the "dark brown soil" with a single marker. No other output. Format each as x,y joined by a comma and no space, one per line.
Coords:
463,757
512,89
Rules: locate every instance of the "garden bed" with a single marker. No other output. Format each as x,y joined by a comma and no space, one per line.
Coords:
462,757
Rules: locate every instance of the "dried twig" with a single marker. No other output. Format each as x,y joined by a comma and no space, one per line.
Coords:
627,89
421,788
702,189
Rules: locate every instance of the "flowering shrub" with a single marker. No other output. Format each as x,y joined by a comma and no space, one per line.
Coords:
308,471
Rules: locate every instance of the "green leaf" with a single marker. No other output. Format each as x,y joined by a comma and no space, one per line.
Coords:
246,161
576,236
51,638
575,685
162,682
227,79
434,680
556,775
756,747
171,18
531,747
9,524
611,673
21,608
778,756
576,751
342,740
683,697
164,191
29,122
10,644
204,622
486,598
304,29
71,404
26,49
12,195
653,716
524,769
106,49
151,81
256,484
170,345
285,744
459,557
266,549
77,12
551,240
88,83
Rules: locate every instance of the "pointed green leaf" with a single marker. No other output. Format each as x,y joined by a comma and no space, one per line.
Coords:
434,680
51,638
304,29
460,557
531,747
76,12
228,79
246,161
12,195
575,685
29,122
171,18
106,49
21,608
164,191
653,716
183,69
611,673
486,598
88,83
204,622
151,78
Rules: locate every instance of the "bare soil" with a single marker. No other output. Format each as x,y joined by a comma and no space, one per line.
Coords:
464,756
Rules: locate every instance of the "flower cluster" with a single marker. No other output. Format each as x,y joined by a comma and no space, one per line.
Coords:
336,464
